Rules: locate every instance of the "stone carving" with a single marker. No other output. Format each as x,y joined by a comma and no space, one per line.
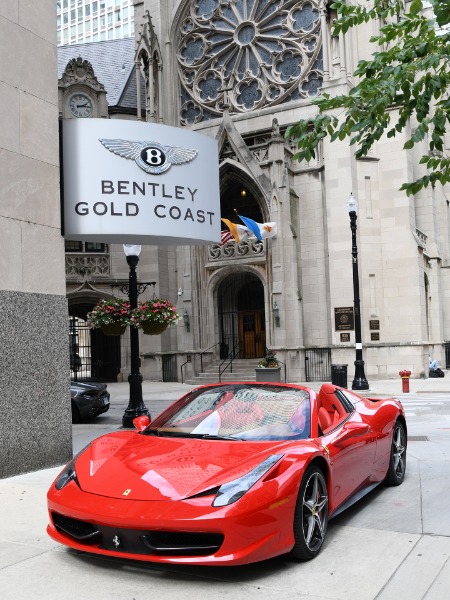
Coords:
92,264
247,54
249,249
80,71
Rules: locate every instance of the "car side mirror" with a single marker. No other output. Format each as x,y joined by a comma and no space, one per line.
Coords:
351,430
141,423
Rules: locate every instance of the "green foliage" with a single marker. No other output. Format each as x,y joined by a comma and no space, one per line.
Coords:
270,361
409,72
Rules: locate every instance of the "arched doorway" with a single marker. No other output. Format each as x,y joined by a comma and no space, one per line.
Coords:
93,356
242,322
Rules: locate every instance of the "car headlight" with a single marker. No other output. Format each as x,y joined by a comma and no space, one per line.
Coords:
69,473
233,490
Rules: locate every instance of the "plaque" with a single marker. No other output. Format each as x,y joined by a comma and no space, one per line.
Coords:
374,324
344,319
375,336
345,337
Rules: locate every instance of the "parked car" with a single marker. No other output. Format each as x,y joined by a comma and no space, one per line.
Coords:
88,400
229,474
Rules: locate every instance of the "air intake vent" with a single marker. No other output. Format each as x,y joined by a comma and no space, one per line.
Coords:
80,530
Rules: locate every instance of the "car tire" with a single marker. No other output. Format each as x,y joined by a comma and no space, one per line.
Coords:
76,417
311,515
397,462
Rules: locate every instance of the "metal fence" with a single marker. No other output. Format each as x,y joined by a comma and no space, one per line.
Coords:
447,354
169,367
318,364
93,356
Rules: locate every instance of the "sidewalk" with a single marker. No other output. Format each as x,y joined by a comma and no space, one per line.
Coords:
395,544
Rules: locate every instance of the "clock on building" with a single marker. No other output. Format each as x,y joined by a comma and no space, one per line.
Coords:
80,105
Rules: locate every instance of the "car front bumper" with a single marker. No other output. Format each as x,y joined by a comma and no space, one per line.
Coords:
258,527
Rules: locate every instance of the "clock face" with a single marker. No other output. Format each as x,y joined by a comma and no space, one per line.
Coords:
81,106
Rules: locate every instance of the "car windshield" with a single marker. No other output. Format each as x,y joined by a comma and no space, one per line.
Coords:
239,412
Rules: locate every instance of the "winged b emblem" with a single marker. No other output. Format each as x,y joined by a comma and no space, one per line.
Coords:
151,157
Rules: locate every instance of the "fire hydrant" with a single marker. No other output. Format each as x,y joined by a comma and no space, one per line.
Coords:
405,375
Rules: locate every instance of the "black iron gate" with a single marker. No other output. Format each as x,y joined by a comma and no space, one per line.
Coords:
447,354
93,356
169,367
318,364
229,335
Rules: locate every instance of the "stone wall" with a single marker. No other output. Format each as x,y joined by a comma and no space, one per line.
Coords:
35,422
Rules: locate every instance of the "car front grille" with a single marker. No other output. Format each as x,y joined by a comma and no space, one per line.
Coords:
130,541
80,530
175,542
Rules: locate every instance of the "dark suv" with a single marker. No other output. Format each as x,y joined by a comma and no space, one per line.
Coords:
88,400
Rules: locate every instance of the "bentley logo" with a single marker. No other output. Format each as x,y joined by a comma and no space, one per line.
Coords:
151,157
126,492
116,541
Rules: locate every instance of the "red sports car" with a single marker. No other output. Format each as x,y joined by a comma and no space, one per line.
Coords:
229,474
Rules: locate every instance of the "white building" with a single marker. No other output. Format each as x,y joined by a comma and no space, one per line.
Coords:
241,72
81,21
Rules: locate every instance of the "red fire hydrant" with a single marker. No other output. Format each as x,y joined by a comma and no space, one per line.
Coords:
405,375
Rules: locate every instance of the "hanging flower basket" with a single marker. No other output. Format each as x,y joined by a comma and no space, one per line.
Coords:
111,315
113,328
154,316
153,328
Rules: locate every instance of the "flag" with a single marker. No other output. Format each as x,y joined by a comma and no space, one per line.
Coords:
239,232
252,225
268,230
262,231
226,236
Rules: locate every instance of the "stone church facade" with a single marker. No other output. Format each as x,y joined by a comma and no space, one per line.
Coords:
241,71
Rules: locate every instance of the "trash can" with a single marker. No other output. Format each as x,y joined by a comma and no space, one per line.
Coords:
339,375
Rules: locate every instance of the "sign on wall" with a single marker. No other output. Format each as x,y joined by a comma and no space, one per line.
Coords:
143,183
344,319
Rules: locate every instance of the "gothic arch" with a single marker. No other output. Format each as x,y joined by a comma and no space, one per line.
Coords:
241,161
92,355
240,191
238,302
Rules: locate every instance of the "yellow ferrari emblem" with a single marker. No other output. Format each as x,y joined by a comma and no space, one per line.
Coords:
126,492
325,448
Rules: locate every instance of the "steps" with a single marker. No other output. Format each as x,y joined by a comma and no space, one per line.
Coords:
243,370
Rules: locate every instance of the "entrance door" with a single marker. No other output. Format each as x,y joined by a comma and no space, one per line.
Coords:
241,316
252,334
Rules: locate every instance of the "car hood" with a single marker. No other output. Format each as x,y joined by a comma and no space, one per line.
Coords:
82,387
141,467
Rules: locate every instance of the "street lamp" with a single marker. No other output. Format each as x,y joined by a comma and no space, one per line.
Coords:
359,382
136,406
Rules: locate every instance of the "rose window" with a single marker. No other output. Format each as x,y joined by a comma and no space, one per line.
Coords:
247,54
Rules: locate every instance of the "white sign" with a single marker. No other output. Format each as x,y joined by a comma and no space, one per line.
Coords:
143,183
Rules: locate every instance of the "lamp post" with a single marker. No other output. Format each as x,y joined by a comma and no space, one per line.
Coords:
136,406
359,382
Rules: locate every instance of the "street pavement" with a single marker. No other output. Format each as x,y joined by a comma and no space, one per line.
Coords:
393,544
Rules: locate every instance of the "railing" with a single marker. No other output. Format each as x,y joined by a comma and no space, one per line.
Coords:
232,356
201,360
252,248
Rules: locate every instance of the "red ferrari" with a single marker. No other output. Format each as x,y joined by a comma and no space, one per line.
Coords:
229,474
